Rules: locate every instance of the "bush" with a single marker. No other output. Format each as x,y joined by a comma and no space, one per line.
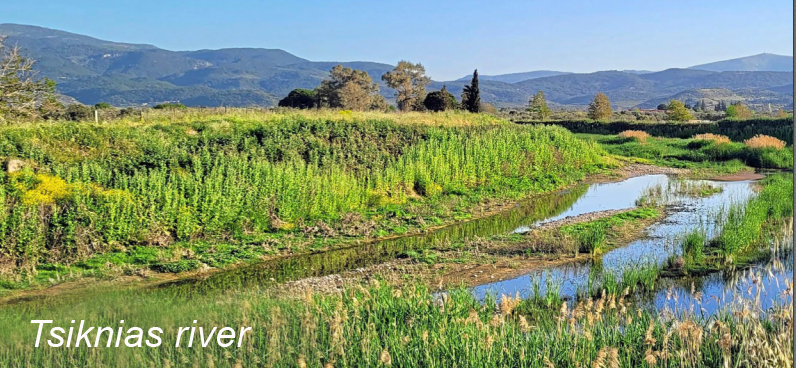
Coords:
78,112
440,101
299,98
170,106
715,138
635,134
764,141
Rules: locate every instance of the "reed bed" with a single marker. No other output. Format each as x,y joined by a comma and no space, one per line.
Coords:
381,325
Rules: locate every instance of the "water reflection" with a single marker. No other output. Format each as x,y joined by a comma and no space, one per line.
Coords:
705,214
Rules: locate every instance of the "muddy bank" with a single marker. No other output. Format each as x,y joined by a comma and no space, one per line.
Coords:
489,260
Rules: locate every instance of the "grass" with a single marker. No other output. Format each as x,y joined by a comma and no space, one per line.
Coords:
380,325
698,154
745,234
291,181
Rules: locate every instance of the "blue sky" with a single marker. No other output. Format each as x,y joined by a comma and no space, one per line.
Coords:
451,38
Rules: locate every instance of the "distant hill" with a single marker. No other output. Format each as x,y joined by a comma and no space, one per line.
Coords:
91,70
514,77
754,63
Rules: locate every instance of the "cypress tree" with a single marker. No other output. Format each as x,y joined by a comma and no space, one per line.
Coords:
471,95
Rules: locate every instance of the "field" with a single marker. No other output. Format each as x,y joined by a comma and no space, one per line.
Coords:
418,213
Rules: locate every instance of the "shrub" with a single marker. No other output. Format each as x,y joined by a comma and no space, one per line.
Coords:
764,141
169,106
78,112
716,138
635,134
299,98
440,100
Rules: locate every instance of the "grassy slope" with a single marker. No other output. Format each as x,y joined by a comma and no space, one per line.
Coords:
215,189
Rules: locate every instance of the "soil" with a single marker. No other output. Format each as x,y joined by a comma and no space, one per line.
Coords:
740,176
448,275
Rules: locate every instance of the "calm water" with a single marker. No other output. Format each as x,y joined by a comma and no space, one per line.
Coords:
663,240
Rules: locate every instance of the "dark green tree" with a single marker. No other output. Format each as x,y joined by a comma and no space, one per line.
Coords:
440,100
299,98
471,95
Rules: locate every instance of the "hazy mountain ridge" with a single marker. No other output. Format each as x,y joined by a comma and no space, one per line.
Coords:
93,70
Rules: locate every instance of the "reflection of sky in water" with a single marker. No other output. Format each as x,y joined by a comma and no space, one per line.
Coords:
688,214
609,196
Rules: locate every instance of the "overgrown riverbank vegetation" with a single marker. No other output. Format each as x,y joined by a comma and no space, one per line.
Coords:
380,325
714,152
749,233
174,193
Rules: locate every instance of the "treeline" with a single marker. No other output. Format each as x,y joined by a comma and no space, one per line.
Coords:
352,89
736,130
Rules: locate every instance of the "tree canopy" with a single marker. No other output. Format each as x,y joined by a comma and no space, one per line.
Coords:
537,107
410,81
348,88
600,107
676,111
441,100
738,110
299,98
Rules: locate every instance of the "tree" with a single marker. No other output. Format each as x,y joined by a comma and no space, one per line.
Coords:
721,106
677,111
440,100
347,88
662,106
471,95
600,107
299,98
410,81
738,110
20,91
102,105
537,106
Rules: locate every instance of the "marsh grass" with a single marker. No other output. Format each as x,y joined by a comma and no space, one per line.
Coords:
381,325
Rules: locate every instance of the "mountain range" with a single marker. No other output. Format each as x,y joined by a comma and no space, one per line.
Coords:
92,70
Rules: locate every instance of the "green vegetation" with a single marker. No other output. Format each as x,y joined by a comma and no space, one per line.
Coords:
471,95
736,130
168,106
537,107
676,111
299,99
441,100
738,111
409,82
696,153
88,189
381,325
600,107
745,233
